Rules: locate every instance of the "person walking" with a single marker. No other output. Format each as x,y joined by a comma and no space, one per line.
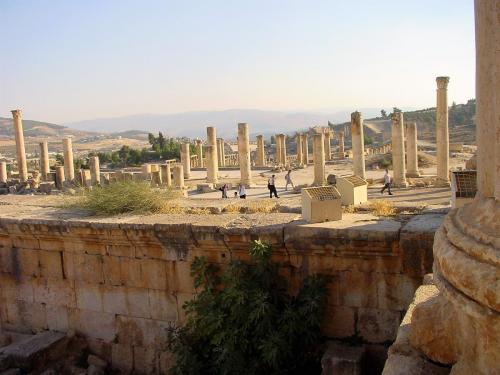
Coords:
288,179
387,182
223,189
242,191
272,187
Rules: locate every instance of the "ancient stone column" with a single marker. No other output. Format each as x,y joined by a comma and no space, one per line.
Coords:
3,172
244,154
20,150
412,150
319,159
220,157
277,157
212,141
300,157
398,150
44,160
305,148
358,144
146,171
186,160
210,152
488,97
328,148
341,145
442,137
199,153
69,169
283,149
179,176
156,179
166,175
95,170
60,177
260,159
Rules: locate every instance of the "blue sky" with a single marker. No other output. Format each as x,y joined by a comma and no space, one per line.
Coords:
66,60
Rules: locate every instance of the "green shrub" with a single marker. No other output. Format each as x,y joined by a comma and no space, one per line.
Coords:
243,320
123,197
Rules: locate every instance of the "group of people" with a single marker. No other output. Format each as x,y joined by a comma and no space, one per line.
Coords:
271,186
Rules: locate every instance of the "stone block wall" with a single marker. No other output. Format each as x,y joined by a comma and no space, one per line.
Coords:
121,285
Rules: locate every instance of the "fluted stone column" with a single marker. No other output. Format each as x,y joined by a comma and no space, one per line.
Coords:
186,160
199,153
210,152
341,145
3,172
166,175
358,144
328,144
398,150
244,154
442,137
319,159
60,177
95,170
69,169
20,150
305,148
214,164
300,157
44,160
412,150
179,176
260,159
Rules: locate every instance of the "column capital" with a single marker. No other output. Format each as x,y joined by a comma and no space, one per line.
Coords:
356,116
442,82
16,113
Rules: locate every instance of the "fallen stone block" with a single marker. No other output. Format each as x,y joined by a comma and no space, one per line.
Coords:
36,351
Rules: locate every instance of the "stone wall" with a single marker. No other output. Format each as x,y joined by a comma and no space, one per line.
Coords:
121,285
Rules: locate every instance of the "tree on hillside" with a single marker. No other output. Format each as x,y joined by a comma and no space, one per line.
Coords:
383,112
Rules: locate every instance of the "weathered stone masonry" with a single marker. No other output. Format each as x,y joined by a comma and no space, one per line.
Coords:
122,284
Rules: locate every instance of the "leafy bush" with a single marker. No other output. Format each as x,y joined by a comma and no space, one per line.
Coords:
123,197
243,321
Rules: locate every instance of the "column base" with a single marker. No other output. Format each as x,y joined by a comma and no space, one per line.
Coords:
413,174
400,185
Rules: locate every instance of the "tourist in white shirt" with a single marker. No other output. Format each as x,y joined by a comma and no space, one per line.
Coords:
387,182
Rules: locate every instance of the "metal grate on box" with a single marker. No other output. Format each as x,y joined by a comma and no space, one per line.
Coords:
465,182
323,193
355,180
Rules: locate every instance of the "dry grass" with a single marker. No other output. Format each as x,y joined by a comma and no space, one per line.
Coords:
349,209
124,197
382,207
252,207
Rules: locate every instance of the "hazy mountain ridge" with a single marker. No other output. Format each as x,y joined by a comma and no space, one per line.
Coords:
193,124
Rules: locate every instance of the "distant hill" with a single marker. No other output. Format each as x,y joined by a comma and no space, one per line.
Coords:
193,124
37,129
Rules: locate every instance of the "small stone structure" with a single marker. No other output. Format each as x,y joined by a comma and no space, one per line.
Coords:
358,144
320,204
463,187
353,189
